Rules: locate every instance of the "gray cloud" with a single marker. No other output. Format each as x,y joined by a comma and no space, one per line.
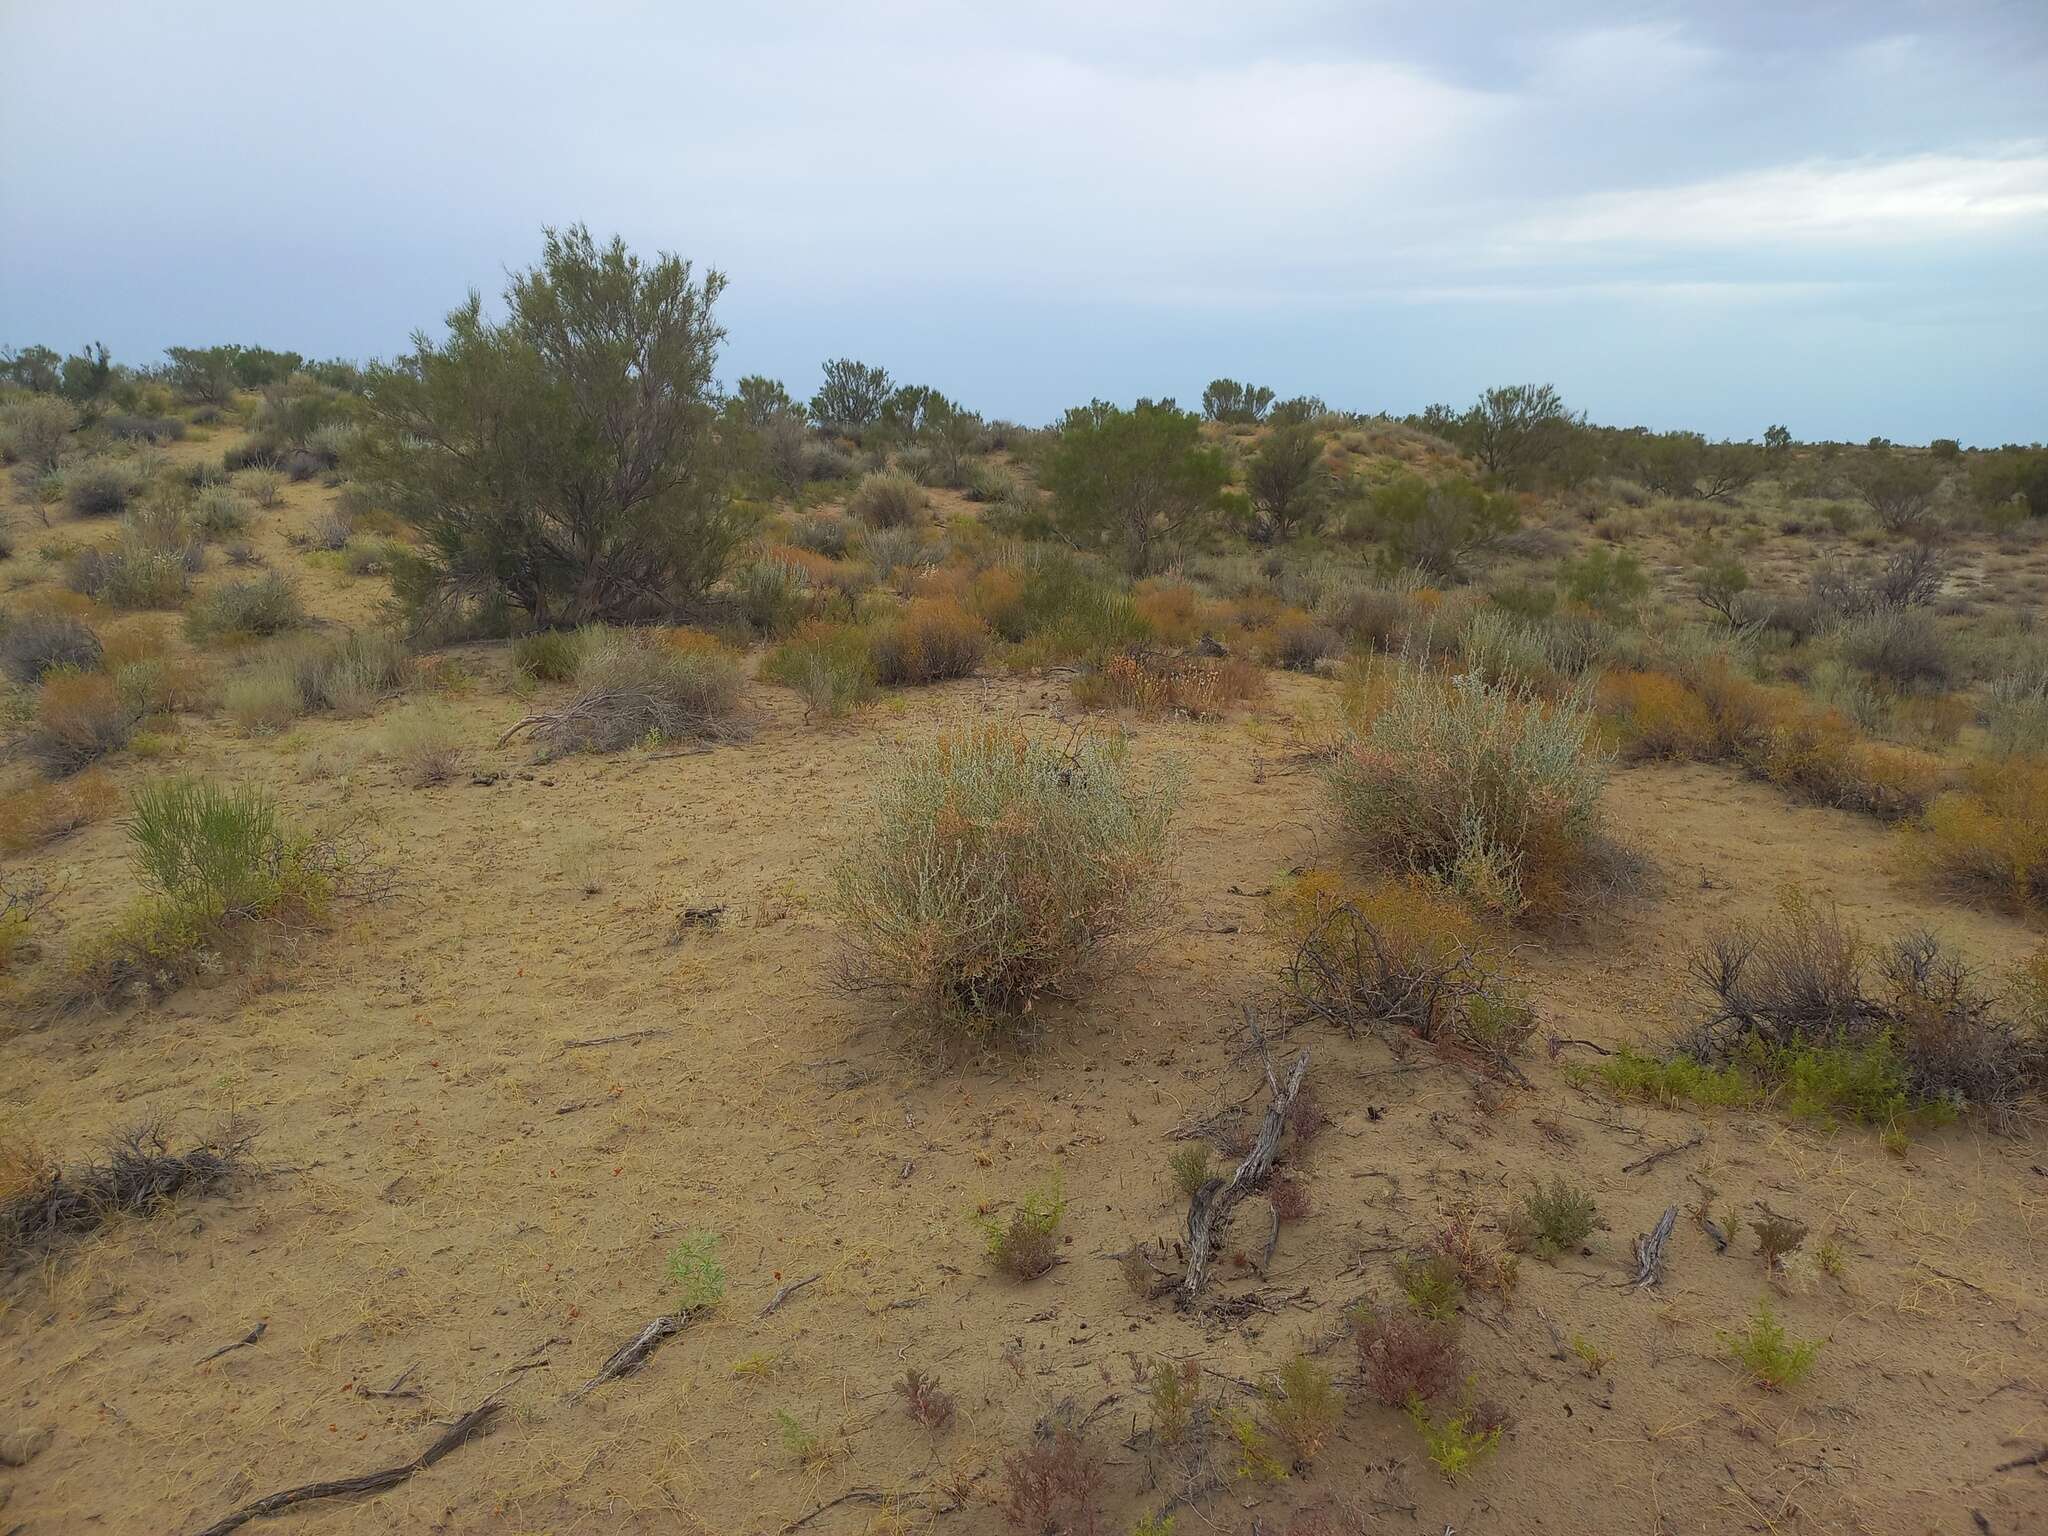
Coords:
1830,214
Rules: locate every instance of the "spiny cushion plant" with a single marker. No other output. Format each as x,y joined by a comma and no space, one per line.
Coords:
994,866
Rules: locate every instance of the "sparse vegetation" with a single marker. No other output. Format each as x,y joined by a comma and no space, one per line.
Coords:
1554,1221
695,1271
1026,1243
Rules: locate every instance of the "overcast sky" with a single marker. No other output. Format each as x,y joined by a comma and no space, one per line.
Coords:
1715,215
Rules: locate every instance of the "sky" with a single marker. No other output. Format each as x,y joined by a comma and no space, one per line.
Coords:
1714,216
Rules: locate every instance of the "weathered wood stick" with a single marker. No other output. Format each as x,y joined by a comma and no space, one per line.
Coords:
1210,1208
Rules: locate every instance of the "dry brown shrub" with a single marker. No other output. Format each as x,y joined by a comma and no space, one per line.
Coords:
1161,683
932,640
42,813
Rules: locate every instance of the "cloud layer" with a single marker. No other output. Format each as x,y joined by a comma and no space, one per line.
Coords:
1711,216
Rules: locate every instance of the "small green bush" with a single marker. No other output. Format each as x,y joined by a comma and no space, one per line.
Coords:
1553,1221
830,665
1027,1244
1190,1167
549,656
696,1273
1773,1358
1461,1440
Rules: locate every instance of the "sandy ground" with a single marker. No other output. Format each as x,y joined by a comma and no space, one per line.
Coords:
459,1197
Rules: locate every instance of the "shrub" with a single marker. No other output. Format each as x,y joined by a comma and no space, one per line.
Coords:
1990,835
1609,582
102,487
41,641
1477,785
1300,641
1658,716
1433,1285
1136,481
1795,1005
1462,1439
1403,1358
564,460
995,866
1438,528
830,665
1773,1359
264,697
1395,952
1554,1221
1303,1408
42,813
932,640
2015,713
1055,1486
550,656
266,605
79,718
887,501
36,431
132,574
219,513
695,1271
1900,645
924,1401
424,745
825,533
1190,1167
1898,489
265,487
1153,683
1286,482
773,595
1028,1244
633,688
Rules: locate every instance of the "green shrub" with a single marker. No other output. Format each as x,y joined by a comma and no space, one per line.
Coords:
1611,582
1461,1440
1478,785
1553,1221
1773,1359
213,858
266,605
773,596
1438,528
1133,481
1028,1243
36,431
994,866
830,665
1899,645
549,656
695,1271
563,462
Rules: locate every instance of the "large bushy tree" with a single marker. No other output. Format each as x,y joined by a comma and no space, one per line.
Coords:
566,458
850,399
1514,429
1286,482
1137,479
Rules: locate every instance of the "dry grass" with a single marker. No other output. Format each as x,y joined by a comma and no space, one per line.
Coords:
994,867
1989,837
934,639
1156,683
42,813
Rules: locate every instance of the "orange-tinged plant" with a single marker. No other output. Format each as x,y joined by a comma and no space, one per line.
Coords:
1990,835
933,639
42,813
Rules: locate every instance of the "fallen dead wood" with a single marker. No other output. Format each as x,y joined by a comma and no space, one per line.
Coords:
242,1343
788,1290
1643,1164
2038,1459
369,1482
1650,1250
628,1356
1209,1210
631,1034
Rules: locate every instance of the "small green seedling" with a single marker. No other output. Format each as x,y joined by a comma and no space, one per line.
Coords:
693,1268
1027,1245
1190,1167
1432,1285
1461,1441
